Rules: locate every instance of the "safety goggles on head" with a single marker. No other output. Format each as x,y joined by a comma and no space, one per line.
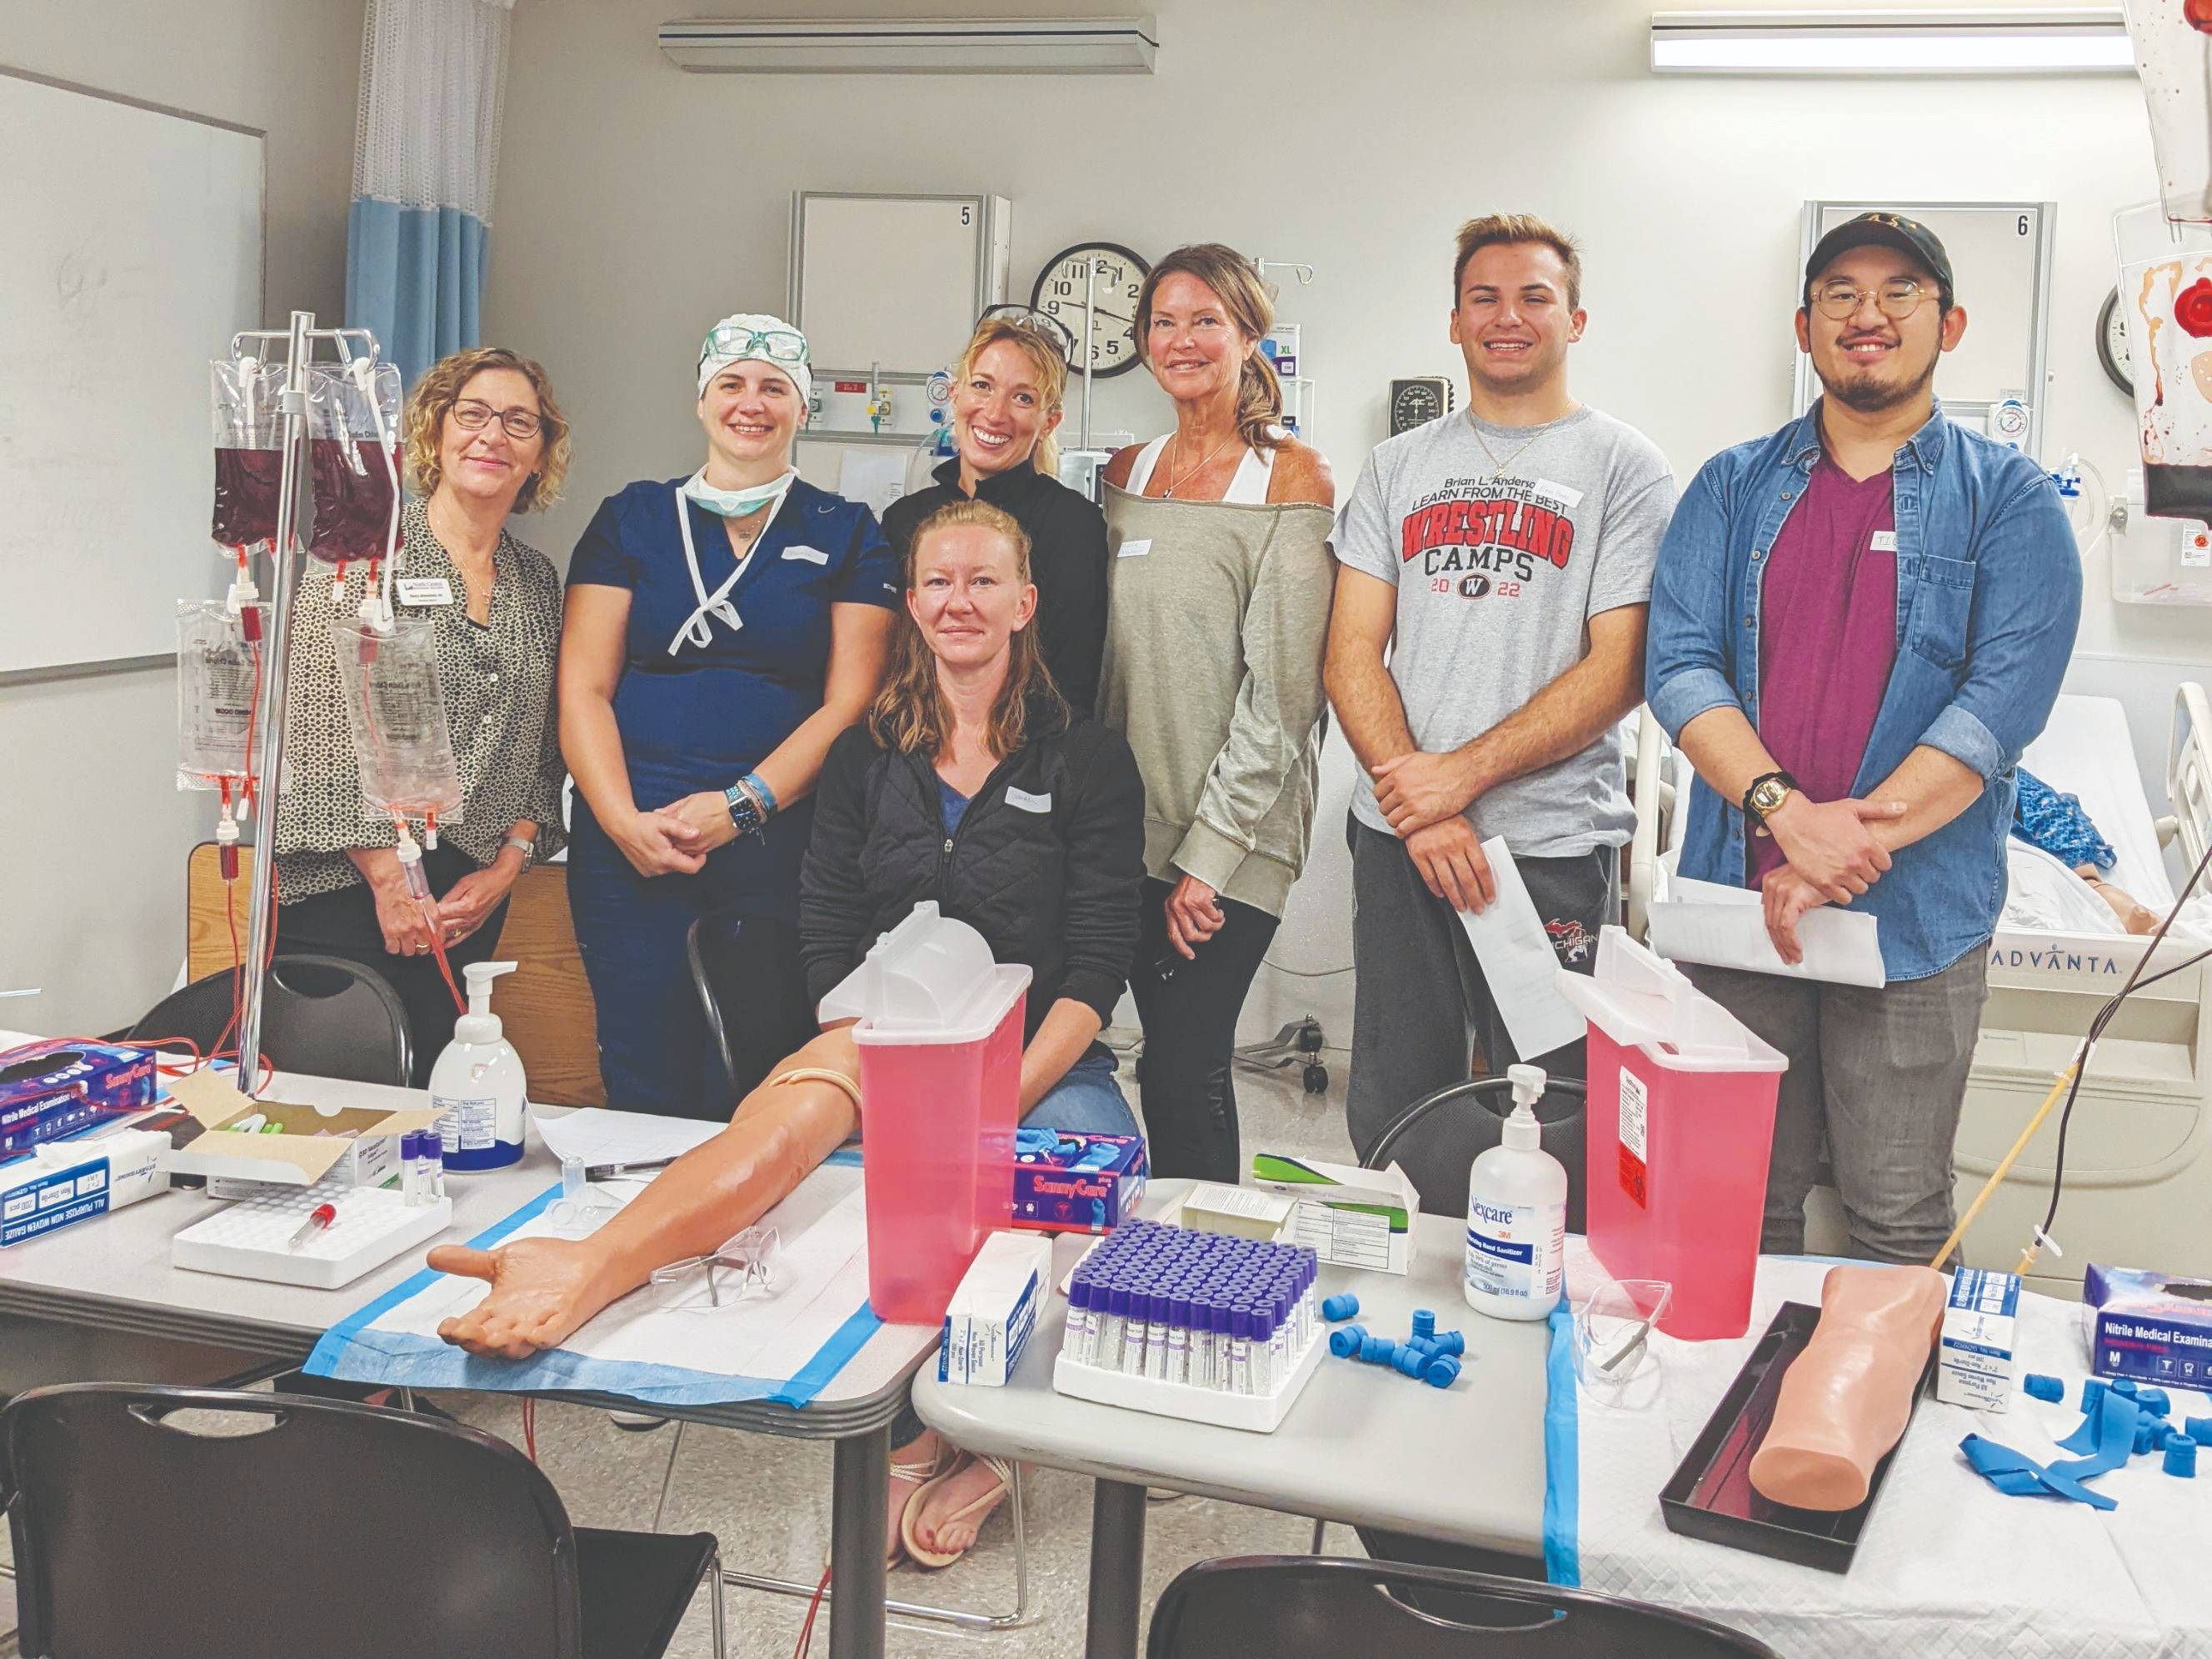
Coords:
735,341
1054,333
1839,301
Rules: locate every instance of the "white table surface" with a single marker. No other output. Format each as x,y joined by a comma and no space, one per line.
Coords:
114,1273
1362,1444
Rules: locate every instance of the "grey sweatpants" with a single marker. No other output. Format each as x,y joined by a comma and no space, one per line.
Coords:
1876,1076
1418,998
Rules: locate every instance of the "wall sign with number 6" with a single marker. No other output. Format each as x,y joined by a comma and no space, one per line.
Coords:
1111,276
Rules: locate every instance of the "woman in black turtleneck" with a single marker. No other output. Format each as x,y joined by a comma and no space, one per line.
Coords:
1006,402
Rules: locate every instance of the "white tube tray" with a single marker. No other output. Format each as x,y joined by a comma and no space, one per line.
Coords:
248,1239
1260,1412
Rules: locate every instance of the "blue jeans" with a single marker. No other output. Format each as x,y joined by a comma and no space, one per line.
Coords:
1085,1102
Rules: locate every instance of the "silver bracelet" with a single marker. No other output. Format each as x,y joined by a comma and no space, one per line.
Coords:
524,845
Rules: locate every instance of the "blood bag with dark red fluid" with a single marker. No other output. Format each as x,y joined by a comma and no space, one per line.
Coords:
353,459
396,712
2167,298
249,453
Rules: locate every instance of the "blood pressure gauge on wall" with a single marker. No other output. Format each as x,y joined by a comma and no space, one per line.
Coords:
2113,344
1067,280
1416,402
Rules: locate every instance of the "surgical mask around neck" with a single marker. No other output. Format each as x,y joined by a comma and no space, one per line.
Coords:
736,503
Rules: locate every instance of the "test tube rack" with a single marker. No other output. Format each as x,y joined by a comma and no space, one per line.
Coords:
1201,1326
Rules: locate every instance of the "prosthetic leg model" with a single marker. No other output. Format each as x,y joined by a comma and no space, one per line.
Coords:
1845,1401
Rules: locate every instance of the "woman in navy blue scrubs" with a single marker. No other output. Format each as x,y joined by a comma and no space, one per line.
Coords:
721,631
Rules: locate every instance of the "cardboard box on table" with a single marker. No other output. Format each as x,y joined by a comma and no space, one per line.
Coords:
313,1146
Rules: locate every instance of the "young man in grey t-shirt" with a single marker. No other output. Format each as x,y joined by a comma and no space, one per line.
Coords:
1503,556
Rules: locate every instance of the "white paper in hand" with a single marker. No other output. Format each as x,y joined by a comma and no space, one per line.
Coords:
1726,927
1518,963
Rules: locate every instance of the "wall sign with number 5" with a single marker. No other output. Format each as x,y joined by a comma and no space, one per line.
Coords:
1111,276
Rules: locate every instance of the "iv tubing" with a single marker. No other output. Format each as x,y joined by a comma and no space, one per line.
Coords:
363,371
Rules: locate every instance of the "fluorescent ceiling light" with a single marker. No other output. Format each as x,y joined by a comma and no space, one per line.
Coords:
915,45
2054,40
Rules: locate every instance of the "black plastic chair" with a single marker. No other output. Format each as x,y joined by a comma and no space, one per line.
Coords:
320,1015
267,1526
1436,1140
1297,1606
747,973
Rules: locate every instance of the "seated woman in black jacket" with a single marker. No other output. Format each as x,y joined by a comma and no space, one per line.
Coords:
970,784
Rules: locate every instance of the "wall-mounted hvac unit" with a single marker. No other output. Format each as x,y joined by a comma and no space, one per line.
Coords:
941,46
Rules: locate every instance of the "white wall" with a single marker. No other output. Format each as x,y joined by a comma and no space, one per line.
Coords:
637,203
92,833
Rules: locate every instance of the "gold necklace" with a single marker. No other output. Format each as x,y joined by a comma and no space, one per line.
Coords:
1168,495
1509,459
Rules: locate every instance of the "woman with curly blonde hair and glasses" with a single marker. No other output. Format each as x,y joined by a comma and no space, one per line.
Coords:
484,440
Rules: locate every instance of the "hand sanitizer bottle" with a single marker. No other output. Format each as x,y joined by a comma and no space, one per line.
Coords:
1517,1215
478,1083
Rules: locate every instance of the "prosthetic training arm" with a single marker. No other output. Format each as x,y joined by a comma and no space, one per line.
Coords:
542,1289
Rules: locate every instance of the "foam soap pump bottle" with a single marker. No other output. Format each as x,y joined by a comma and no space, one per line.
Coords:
478,1083
1517,1215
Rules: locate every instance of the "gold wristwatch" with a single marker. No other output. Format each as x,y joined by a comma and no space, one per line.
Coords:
1765,797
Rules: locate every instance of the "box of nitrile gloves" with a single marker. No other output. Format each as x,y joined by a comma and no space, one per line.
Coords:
52,1089
1092,1187
2155,1326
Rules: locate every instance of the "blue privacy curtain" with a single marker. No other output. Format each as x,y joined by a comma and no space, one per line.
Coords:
425,157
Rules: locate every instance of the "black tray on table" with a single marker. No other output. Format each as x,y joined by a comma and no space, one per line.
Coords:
1711,1496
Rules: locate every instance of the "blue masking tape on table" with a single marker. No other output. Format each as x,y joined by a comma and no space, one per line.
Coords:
353,1350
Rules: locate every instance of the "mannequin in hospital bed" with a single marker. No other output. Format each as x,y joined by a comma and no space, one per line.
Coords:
2056,825
1845,1399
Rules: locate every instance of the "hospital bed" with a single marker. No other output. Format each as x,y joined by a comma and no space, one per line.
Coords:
2139,1153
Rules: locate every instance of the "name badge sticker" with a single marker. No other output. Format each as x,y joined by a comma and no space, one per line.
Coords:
424,589
1135,549
811,554
1885,541
1026,801
1566,495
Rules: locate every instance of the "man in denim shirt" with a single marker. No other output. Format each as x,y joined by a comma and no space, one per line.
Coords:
1857,623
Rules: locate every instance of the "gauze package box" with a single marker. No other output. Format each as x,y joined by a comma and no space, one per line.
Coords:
1975,1351
990,1316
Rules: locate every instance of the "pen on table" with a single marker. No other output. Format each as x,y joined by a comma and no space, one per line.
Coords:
317,1219
615,1171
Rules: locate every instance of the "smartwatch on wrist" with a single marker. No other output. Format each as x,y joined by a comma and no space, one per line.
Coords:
744,808
748,811
1767,792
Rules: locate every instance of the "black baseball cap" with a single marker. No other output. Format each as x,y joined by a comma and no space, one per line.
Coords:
1883,230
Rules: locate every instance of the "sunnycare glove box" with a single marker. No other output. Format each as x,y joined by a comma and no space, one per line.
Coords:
48,1089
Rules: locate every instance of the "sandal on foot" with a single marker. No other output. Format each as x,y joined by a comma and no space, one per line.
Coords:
920,1476
934,1559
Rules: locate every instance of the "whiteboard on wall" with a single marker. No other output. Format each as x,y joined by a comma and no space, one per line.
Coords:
2001,254
895,281
131,253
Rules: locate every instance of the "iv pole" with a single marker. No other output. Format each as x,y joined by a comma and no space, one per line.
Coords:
268,761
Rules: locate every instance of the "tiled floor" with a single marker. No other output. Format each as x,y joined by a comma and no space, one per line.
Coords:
766,1499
